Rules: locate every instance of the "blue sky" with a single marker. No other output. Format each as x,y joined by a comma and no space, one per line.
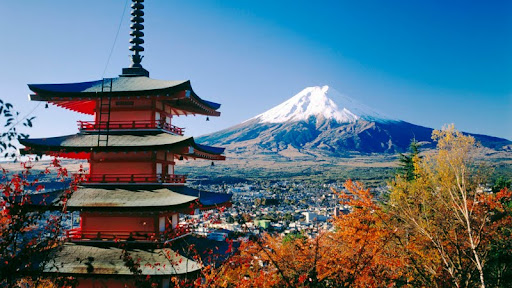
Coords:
425,62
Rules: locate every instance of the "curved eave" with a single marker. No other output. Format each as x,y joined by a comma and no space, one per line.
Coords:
217,206
79,96
200,155
85,143
205,107
204,152
121,87
206,199
209,149
81,106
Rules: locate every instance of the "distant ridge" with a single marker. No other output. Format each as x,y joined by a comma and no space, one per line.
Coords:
321,121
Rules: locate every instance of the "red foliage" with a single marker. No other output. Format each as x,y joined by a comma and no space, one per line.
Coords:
26,232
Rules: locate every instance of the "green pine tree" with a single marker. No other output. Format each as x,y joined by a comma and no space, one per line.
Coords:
406,161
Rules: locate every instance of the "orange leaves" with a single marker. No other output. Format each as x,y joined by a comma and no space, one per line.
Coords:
250,268
359,253
363,243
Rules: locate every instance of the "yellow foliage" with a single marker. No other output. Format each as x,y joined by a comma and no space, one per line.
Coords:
438,209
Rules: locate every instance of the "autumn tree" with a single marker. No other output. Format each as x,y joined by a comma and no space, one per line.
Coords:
28,233
359,253
447,214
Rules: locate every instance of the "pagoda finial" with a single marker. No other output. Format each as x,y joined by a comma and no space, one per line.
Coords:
136,32
136,40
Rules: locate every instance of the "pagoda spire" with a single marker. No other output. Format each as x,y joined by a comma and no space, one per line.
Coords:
137,19
136,32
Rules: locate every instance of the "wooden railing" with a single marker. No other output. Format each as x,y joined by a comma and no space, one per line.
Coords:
76,234
136,178
117,125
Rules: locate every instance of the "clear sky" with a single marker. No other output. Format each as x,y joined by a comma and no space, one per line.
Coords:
425,62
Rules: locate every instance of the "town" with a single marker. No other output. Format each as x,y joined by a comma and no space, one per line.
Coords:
280,207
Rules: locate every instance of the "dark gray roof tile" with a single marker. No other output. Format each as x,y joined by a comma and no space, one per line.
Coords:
84,259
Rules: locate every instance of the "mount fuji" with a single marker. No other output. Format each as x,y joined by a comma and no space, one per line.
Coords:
322,103
321,121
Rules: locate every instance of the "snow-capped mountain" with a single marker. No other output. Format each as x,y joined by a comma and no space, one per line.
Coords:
322,102
321,121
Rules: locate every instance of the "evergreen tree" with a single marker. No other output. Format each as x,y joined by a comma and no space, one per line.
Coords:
501,183
406,161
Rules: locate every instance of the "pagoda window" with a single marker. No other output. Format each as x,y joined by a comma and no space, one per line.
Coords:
170,169
159,168
174,221
161,223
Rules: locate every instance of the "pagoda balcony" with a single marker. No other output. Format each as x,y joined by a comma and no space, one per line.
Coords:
129,125
76,234
136,178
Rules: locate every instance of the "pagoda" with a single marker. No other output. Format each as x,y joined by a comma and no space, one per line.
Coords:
131,194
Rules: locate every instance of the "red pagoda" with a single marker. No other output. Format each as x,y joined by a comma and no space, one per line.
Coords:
132,194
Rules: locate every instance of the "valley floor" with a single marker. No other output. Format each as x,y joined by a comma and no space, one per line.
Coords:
371,170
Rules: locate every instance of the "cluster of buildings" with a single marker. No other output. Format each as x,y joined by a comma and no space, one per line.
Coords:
279,207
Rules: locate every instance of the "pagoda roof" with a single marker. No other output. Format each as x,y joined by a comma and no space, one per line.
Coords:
141,197
67,94
128,197
74,259
138,197
124,141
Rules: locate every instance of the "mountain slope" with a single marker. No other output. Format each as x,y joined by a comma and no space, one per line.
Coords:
319,102
320,121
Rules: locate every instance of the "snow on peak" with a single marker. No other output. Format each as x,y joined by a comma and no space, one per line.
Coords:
319,102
